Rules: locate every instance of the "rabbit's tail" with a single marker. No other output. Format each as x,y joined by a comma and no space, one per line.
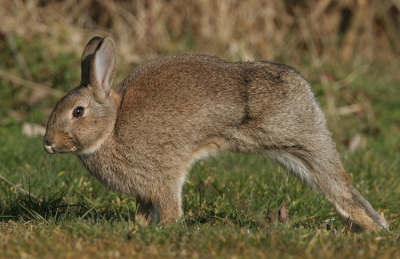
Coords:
325,174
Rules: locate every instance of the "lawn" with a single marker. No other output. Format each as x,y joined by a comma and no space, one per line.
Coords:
229,201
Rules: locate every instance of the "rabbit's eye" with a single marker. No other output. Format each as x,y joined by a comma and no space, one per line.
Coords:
78,112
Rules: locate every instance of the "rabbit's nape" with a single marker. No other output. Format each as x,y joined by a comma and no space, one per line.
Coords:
141,138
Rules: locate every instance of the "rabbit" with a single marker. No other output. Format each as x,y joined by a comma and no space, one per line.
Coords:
141,137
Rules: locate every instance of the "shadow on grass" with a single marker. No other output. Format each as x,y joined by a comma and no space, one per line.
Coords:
54,207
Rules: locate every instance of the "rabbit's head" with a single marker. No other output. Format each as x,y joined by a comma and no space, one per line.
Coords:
84,118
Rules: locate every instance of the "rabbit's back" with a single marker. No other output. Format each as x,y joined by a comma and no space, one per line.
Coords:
189,98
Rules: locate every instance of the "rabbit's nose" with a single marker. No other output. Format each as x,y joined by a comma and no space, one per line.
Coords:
48,146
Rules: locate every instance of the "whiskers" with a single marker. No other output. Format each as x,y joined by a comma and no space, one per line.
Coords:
40,158
38,153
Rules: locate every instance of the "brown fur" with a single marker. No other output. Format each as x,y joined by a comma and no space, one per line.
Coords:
140,138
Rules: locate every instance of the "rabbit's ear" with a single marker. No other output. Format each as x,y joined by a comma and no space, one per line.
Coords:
87,57
102,69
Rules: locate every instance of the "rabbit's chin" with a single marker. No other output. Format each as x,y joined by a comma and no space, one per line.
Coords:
89,150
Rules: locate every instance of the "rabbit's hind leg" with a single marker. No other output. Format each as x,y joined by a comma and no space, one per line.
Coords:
323,171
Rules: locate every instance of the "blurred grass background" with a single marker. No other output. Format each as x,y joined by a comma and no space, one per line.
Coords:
333,44
348,50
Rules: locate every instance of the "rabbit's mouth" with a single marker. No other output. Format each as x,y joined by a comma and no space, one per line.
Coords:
50,149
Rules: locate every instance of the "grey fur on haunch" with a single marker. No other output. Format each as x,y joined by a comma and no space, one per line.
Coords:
140,138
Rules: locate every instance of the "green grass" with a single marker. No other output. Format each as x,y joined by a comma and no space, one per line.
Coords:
227,201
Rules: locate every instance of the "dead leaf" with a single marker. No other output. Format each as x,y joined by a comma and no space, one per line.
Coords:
283,213
357,142
33,130
272,216
350,109
382,214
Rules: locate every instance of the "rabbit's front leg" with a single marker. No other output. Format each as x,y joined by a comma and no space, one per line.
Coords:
167,202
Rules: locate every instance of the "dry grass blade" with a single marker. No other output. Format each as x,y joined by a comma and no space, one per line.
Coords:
18,56
23,82
20,188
